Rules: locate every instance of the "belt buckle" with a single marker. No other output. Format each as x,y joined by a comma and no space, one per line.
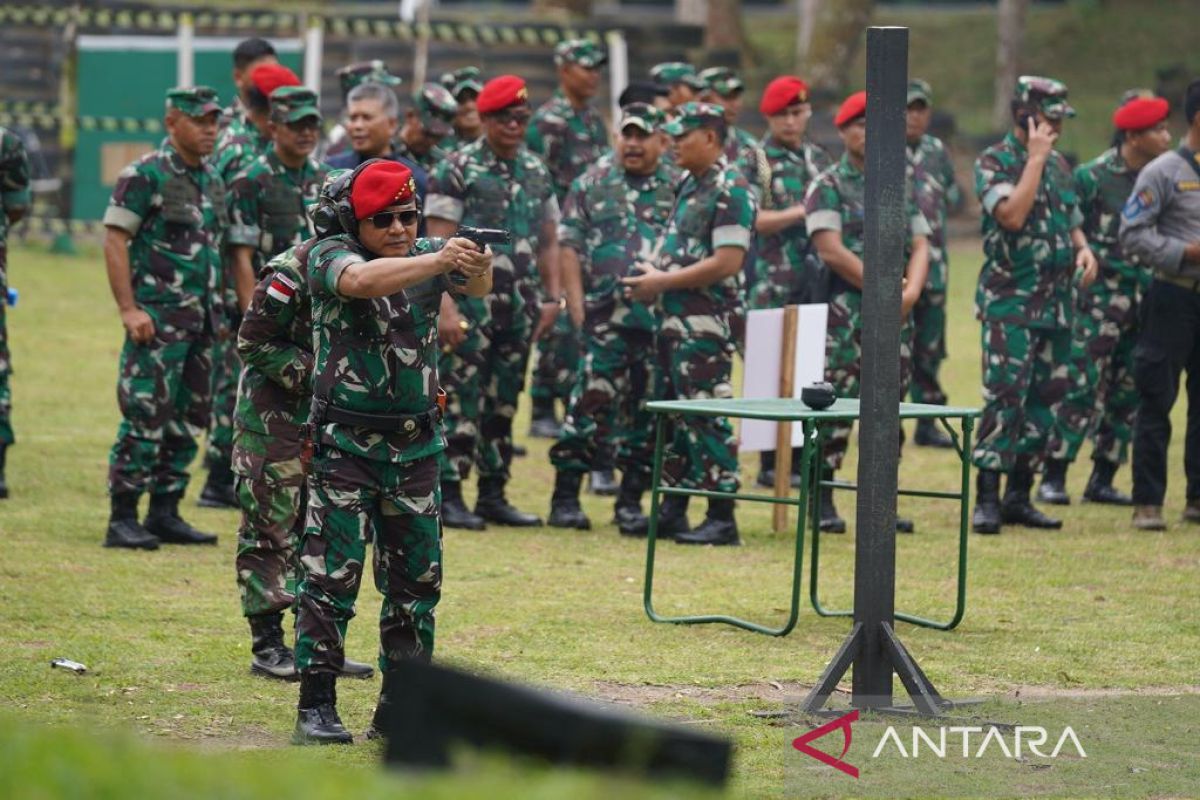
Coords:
409,426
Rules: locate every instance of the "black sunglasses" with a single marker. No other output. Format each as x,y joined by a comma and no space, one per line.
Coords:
383,220
507,117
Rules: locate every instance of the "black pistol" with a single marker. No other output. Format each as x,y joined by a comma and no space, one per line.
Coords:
482,237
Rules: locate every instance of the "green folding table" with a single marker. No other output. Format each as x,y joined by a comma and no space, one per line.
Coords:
813,423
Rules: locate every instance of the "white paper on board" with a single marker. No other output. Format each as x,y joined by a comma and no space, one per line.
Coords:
760,377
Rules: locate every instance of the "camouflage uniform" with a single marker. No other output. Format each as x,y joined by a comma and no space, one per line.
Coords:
14,196
1102,397
780,256
376,357
932,175
836,201
613,219
435,107
176,216
484,375
269,204
696,339
1024,302
274,394
569,140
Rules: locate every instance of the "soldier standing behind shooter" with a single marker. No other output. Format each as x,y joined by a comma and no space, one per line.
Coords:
162,252
1102,398
932,176
570,136
1034,246
14,202
614,216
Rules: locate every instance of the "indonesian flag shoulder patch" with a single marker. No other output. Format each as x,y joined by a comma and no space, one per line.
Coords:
281,288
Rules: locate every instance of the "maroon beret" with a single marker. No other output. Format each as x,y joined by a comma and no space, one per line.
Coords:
1140,113
500,93
269,77
852,108
379,185
781,93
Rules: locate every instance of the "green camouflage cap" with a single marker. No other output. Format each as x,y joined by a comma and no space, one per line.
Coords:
195,101
691,116
670,73
1136,94
436,107
722,80
294,103
462,80
583,52
642,115
374,71
1046,94
919,90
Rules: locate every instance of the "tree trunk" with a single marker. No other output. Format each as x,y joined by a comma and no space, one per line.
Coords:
1010,28
691,12
724,26
834,30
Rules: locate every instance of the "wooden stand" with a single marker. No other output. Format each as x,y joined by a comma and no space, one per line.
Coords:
783,433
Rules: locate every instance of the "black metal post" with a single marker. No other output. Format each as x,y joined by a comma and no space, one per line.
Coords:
879,419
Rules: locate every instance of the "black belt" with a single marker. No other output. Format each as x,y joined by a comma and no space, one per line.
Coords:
409,424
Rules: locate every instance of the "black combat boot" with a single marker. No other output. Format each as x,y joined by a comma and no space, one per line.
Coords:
455,513
766,469
929,434
719,526
356,669
542,423
494,507
123,527
627,513
565,511
986,518
830,521
317,720
383,709
1053,489
1100,487
672,516
603,482
3,483
272,658
218,491
163,521
1015,507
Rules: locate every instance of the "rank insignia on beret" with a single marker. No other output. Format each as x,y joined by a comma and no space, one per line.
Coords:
281,288
522,93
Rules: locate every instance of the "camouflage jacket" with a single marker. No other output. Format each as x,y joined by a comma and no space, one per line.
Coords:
744,152
238,146
476,187
1105,184
780,256
715,210
14,178
374,356
1026,276
176,216
569,139
612,219
275,342
435,156
229,113
452,141
268,205
836,201
932,175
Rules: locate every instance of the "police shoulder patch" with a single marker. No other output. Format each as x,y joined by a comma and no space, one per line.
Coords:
1137,203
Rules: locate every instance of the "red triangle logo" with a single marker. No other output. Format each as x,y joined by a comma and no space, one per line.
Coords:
843,722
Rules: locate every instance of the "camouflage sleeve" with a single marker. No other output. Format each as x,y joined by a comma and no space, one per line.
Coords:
1070,195
264,341
242,203
918,225
822,205
994,181
1086,187
133,198
14,174
733,222
948,178
550,208
447,192
326,262
818,161
535,135
572,229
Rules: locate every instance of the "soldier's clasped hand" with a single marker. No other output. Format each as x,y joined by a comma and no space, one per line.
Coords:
462,255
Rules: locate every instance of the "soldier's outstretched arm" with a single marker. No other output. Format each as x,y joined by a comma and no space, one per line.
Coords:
137,322
381,277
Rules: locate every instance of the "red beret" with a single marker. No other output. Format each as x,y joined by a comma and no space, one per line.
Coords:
1141,112
269,77
500,93
379,185
781,93
852,108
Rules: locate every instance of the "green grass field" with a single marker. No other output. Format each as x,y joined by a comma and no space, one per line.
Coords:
1095,612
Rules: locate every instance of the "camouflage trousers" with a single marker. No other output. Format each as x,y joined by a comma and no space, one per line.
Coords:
163,392
483,378
352,501
557,364
608,402
1024,384
843,366
1102,398
270,490
700,452
227,366
6,432
928,347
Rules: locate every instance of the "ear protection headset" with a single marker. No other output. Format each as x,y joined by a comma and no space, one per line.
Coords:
343,210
